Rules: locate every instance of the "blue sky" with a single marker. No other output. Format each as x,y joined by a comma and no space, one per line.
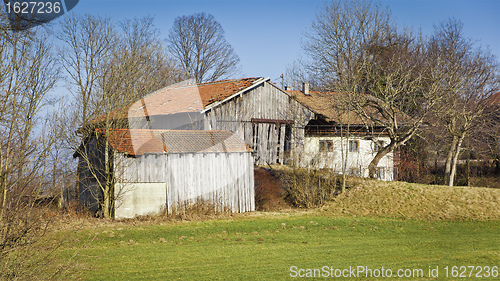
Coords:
267,34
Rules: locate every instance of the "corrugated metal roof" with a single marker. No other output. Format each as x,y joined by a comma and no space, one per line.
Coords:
180,141
140,141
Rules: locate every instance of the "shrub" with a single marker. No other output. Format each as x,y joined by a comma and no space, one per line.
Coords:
308,188
27,252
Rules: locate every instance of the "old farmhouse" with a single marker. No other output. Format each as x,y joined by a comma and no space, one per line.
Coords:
337,135
264,123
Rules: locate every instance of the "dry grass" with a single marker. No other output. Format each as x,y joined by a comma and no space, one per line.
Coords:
199,210
29,240
417,201
486,181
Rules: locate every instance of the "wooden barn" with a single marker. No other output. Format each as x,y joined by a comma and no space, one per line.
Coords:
270,120
157,170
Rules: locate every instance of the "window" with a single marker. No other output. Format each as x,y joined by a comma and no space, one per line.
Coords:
378,145
325,146
380,173
353,146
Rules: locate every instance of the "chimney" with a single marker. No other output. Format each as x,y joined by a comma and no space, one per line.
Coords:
288,88
305,88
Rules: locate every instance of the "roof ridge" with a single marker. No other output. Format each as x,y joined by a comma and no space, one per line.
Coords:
228,80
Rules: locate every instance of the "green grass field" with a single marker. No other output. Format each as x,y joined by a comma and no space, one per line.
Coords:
395,226
265,247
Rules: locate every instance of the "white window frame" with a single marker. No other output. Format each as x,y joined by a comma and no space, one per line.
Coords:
325,146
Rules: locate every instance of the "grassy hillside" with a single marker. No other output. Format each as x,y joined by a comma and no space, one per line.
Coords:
366,197
417,201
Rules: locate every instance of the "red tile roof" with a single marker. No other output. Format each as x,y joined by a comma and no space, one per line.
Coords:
182,98
189,98
220,90
124,141
329,105
141,141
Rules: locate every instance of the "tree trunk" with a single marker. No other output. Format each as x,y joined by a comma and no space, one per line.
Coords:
455,160
449,160
3,187
468,162
372,167
468,170
106,204
345,155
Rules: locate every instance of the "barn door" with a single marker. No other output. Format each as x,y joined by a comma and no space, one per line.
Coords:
270,140
284,143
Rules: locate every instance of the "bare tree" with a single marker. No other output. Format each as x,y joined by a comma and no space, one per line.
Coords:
27,73
470,79
405,87
337,43
140,63
88,41
355,48
296,74
109,69
197,42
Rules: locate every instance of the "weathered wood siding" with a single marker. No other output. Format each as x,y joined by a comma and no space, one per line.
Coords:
265,101
223,178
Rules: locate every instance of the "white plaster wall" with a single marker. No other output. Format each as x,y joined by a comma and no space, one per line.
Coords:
313,158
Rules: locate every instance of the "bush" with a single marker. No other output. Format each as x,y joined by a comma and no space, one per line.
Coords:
308,188
27,252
